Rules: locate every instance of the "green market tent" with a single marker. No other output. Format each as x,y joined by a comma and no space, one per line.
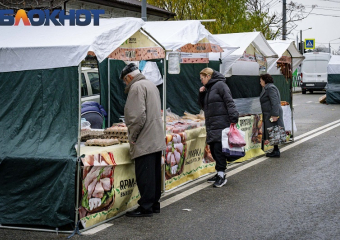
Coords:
40,116
333,85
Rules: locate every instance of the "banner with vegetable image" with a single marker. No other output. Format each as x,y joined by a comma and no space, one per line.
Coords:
108,187
252,126
184,157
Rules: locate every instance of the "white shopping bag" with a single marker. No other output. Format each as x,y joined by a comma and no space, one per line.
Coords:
231,151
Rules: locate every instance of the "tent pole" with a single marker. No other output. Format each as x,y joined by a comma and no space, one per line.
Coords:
78,146
164,116
220,63
108,94
154,40
291,94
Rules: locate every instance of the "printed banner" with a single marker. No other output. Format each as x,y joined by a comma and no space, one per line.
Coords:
194,58
247,57
108,184
138,47
252,126
185,157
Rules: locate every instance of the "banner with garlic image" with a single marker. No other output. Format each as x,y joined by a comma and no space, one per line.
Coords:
185,164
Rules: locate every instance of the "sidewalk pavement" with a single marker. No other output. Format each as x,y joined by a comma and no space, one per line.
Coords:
296,89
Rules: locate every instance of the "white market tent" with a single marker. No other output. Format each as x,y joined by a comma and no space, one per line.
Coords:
40,47
175,34
247,42
283,48
334,65
333,84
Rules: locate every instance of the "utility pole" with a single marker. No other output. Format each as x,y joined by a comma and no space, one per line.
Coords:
144,10
284,27
301,47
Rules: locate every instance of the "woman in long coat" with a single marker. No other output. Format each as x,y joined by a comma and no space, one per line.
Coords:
270,100
220,111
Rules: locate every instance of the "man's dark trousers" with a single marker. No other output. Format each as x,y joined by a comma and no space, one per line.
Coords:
148,176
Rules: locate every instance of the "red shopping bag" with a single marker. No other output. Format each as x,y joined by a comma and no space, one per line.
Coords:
235,138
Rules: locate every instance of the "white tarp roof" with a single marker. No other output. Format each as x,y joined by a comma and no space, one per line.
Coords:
334,65
243,41
40,47
280,47
176,34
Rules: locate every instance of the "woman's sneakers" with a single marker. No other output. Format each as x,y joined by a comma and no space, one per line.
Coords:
220,181
213,179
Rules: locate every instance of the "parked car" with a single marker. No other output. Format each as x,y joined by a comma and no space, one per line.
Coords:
314,72
90,85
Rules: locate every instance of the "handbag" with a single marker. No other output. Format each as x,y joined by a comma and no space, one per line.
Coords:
276,135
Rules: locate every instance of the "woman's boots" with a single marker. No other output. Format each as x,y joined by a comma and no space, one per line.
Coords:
275,152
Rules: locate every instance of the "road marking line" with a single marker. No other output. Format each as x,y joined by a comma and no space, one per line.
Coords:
197,188
97,229
315,130
194,182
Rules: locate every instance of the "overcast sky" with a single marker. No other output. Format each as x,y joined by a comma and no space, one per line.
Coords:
324,21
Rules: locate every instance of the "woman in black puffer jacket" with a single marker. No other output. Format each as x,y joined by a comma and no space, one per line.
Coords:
220,111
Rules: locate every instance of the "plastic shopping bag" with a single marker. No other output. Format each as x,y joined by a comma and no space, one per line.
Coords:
236,137
234,152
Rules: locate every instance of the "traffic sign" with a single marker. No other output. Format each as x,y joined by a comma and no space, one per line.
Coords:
310,43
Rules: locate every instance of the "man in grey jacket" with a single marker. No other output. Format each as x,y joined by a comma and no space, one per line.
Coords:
143,118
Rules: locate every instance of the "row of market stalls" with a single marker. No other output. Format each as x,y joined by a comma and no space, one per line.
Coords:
48,176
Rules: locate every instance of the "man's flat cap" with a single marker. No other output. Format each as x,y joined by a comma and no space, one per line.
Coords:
127,69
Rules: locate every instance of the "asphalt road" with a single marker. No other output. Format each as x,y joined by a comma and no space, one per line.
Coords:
294,197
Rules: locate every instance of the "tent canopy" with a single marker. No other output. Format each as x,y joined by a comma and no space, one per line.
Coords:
334,65
174,35
282,47
40,47
243,41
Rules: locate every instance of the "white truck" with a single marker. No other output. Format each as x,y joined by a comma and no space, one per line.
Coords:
314,72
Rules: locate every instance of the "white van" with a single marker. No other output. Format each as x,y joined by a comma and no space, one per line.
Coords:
90,85
314,71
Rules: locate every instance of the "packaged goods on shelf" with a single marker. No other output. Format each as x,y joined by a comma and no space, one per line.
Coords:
101,142
87,134
118,132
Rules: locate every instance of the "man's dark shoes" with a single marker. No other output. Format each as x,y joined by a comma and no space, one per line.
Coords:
139,212
213,179
220,181
274,154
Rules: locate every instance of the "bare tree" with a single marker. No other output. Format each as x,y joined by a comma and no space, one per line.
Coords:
31,4
294,12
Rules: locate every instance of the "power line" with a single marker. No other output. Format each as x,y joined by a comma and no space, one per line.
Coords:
331,1
324,8
325,15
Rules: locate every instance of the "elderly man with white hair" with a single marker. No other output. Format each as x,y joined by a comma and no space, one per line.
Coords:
142,114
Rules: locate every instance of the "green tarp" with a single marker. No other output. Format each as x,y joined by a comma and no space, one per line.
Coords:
244,86
333,89
182,89
283,85
38,128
